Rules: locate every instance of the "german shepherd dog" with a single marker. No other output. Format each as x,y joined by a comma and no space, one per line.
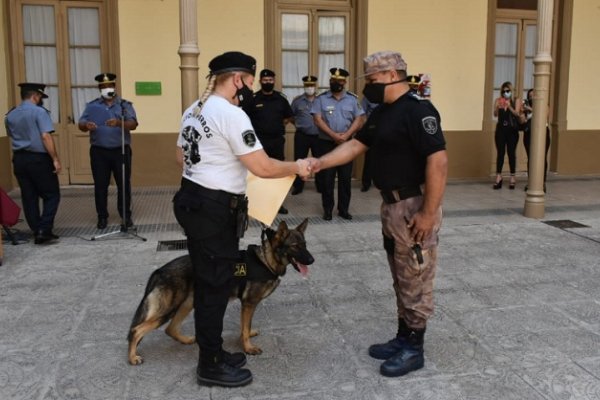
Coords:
169,293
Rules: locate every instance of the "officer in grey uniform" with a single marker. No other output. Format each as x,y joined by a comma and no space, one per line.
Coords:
35,160
410,167
307,133
338,115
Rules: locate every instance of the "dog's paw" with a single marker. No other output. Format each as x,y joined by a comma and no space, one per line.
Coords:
187,339
254,350
253,333
137,360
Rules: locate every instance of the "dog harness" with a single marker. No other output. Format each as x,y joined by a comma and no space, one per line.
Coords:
251,268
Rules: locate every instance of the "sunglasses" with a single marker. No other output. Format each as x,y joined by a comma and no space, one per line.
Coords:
506,91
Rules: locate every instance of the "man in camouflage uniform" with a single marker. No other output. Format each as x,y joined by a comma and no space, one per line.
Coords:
410,169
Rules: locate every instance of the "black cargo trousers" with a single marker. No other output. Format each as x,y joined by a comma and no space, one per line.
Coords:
209,222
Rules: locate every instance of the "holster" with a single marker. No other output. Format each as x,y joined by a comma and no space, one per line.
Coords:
241,211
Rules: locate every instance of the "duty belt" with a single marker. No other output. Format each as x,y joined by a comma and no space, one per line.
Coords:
220,196
394,196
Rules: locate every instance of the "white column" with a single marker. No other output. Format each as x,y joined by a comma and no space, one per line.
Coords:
188,51
535,199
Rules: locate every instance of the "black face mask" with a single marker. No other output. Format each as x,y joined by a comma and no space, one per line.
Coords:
245,96
375,92
40,102
267,87
336,87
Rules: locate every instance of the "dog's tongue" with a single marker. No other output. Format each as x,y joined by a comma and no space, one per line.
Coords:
303,269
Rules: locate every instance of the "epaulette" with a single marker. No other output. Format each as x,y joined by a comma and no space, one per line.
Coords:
352,94
10,111
323,93
296,97
282,95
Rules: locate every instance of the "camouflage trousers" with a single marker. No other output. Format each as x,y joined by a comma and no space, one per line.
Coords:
413,280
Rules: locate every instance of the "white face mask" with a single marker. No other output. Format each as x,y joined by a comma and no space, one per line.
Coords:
108,93
506,95
309,90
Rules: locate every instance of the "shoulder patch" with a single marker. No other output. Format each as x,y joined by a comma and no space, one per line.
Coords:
430,124
249,138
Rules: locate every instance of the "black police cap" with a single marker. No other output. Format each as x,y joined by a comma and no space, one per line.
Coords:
309,80
27,87
105,77
339,73
267,73
232,61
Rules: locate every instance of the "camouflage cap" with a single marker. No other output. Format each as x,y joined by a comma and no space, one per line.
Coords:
383,61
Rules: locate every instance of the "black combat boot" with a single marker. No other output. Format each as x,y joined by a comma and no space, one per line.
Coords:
383,351
237,360
213,370
410,358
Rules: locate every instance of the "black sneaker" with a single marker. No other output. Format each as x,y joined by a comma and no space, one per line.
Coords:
222,374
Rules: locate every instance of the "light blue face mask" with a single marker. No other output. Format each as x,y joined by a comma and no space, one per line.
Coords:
506,95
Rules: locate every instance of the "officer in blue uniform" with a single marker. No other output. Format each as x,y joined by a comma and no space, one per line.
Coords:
104,118
307,133
35,160
338,116
269,114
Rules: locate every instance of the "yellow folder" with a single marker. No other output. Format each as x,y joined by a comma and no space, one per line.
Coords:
265,196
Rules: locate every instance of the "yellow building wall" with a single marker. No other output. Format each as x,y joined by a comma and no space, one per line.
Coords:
149,40
584,85
446,39
230,25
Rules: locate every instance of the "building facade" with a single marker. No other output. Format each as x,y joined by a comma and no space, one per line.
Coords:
466,49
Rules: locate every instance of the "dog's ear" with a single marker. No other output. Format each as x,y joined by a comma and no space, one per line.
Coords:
302,227
281,232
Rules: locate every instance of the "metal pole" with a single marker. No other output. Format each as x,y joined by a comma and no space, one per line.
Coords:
535,198
188,52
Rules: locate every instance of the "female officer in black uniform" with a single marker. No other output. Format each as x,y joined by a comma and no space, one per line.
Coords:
216,148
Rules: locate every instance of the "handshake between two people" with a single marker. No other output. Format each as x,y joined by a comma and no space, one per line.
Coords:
308,166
